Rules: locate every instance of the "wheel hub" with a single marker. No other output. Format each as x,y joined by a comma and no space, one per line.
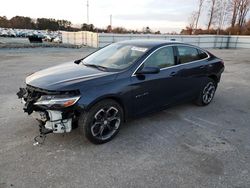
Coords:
208,93
106,123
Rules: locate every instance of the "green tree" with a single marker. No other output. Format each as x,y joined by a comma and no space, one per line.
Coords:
4,22
21,22
64,24
88,27
50,24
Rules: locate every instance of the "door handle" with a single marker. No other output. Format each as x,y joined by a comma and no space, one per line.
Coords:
173,73
202,66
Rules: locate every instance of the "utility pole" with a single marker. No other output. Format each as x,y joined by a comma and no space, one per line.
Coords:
111,21
87,11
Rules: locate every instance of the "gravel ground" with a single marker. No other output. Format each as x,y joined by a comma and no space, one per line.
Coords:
184,146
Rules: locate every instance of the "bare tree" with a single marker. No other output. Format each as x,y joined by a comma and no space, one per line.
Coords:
222,15
239,12
200,2
235,11
211,13
242,12
192,20
191,23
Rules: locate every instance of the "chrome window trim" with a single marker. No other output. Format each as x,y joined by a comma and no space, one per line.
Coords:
173,45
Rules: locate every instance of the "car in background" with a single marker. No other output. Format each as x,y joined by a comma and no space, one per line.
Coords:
3,33
120,81
48,36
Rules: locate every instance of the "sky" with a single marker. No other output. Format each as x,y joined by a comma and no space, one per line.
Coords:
163,15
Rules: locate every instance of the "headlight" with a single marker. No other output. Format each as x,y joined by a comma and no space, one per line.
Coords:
57,101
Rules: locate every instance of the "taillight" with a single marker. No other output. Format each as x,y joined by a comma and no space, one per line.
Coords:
222,62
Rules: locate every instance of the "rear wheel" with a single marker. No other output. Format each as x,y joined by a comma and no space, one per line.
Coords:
207,93
103,121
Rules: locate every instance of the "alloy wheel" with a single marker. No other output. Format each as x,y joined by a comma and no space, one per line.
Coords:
106,122
208,92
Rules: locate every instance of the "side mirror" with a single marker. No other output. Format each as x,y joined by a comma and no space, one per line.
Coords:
78,61
148,70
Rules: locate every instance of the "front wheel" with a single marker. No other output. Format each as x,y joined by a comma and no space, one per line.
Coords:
103,121
207,93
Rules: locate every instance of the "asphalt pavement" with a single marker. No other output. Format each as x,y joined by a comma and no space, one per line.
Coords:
184,146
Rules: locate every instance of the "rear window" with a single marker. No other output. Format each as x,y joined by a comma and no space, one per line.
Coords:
202,54
189,54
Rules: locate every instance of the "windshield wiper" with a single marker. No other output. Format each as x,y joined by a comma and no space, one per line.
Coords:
96,66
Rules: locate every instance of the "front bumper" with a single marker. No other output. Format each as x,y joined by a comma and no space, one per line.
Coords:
53,120
56,121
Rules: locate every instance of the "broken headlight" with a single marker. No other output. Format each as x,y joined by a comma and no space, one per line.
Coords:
57,101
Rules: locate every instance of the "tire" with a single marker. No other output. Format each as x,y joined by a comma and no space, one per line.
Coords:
207,93
102,122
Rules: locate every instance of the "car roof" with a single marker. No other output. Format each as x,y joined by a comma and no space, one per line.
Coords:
149,43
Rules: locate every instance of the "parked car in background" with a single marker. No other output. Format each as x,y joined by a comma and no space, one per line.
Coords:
3,33
123,80
48,36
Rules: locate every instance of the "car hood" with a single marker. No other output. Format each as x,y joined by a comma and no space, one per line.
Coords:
66,76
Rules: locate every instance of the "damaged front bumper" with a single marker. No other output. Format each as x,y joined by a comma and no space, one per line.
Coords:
54,110
53,120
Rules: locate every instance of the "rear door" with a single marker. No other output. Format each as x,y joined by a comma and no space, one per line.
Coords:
192,70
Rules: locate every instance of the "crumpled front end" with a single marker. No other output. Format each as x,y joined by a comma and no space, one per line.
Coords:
54,110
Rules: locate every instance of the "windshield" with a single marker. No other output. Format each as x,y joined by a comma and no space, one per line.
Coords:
115,56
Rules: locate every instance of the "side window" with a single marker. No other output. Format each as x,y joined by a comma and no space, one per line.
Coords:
202,54
188,54
162,58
